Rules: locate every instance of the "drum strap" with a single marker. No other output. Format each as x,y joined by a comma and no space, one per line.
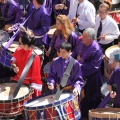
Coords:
23,75
64,79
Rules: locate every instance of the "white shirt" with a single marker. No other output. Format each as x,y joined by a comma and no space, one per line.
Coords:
86,12
114,52
109,28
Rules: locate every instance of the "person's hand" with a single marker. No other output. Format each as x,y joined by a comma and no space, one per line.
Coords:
75,91
59,6
10,30
103,37
75,20
78,57
16,69
112,94
51,86
30,33
47,53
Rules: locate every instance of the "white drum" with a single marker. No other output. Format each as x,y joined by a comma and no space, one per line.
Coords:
4,36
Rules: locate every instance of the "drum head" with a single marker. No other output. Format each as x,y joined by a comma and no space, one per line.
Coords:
111,49
52,30
12,47
37,50
46,100
7,89
4,36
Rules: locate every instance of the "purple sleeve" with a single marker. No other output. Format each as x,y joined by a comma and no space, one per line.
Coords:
18,14
52,40
75,42
45,26
54,3
78,78
52,74
93,65
112,77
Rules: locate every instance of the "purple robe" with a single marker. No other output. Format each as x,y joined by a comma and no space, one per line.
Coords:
14,14
39,23
59,40
90,60
115,79
48,6
57,69
63,11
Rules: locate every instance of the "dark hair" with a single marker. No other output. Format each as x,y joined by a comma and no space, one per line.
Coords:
66,45
40,2
27,40
106,5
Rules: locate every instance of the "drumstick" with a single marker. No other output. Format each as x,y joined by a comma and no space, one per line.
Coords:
22,28
101,36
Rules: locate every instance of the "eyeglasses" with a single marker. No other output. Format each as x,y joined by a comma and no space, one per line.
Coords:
101,12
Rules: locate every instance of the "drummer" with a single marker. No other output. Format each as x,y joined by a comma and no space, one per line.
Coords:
19,60
64,32
58,67
89,55
106,27
39,23
115,82
10,13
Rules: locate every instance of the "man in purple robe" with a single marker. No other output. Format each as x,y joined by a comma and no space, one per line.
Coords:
39,23
61,7
10,14
115,79
89,55
59,66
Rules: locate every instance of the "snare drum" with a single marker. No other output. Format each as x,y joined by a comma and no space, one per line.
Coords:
46,108
51,31
6,55
4,36
109,51
10,107
104,113
115,15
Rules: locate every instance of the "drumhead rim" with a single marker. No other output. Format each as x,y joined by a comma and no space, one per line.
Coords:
16,99
49,105
94,113
109,49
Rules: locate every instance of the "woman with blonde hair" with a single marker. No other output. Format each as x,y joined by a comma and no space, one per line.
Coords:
64,33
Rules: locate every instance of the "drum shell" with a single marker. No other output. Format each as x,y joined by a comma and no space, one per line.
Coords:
13,107
105,113
107,70
115,15
49,111
6,54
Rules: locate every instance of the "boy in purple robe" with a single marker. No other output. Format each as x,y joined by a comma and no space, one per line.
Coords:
115,79
10,14
61,7
89,55
39,23
59,66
